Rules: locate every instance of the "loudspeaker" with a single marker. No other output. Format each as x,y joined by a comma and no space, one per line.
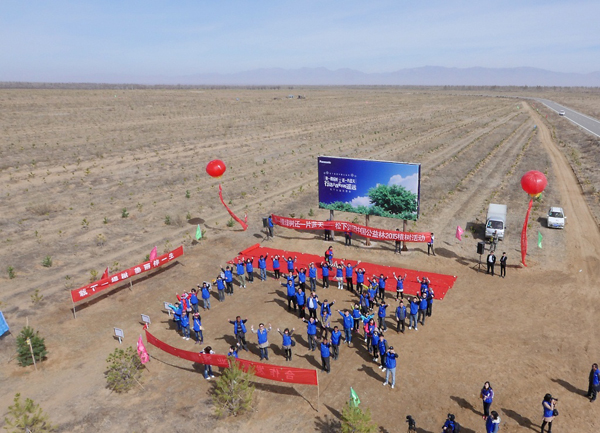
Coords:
265,222
480,247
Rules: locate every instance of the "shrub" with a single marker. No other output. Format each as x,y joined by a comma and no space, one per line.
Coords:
230,223
36,297
47,262
233,391
37,344
187,193
168,220
354,420
93,275
124,213
28,417
311,212
124,369
11,272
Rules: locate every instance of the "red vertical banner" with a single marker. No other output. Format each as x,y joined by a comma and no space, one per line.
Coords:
524,235
242,223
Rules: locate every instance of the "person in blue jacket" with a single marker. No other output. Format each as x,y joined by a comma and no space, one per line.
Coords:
593,382
336,337
492,423
360,279
430,296
414,310
349,272
548,404
302,279
381,285
312,276
400,317
325,349
390,367
399,286
185,326
287,342
206,295
325,311
381,313
329,255
374,348
312,303
487,395
197,324
262,266
194,300
450,424
240,271
276,267
291,294
250,269
239,330
263,340
290,263
325,269
383,347
311,332
270,225
422,309
220,288
356,313
339,275
348,325
233,352
177,312
228,280
301,301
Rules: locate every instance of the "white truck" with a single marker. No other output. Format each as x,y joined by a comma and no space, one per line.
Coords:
495,221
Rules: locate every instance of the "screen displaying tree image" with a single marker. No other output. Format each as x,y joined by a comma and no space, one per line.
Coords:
382,188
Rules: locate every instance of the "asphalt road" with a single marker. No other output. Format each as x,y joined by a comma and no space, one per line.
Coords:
590,124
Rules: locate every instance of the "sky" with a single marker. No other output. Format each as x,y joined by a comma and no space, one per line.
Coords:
62,41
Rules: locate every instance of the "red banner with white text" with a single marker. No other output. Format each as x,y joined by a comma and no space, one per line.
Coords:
301,376
342,226
96,287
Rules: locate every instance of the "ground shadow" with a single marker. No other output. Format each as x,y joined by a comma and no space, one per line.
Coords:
195,221
193,369
229,339
464,404
336,413
521,420
543,221
371,372
566,385
476,229
311,358
327,424
171,323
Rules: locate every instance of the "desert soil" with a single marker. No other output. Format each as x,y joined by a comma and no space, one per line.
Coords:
72,160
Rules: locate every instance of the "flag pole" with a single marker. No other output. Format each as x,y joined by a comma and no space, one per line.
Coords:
318,391
74,311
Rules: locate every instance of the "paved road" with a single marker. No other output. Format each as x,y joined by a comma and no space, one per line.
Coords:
590,124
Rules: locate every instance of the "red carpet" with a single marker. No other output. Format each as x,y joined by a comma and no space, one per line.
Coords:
440,283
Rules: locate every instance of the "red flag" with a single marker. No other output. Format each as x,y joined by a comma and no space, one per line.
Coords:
153,254
459,233
524,235
105,274
242,223
141,350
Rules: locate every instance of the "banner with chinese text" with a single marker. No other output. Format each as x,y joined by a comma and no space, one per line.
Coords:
278,373
96,287
342,226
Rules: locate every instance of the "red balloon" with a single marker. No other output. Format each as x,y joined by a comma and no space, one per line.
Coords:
534,182
216,168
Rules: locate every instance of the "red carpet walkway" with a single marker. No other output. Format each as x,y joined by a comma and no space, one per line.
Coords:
440,283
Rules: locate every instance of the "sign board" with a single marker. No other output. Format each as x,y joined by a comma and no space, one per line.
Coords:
119,334
146,319
382,188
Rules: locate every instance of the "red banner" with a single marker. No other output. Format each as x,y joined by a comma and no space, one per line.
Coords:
301,376
342,226
524,235
242,223
96,287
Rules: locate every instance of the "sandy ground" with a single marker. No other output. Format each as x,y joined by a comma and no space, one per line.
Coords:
74,155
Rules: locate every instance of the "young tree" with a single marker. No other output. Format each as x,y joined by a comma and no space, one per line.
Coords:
23,350
394,199
28,417
233,391
124,369
354,420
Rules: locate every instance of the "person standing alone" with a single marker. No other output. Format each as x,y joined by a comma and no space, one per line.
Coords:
503,265
491,261
430,249
594,383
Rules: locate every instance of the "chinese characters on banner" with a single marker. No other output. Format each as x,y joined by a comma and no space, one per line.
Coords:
339,182
93,288
301,376
342,226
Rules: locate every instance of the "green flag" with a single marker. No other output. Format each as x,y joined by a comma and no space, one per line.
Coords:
354,400
539,240
198,233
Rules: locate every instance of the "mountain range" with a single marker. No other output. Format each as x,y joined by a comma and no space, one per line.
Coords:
423,76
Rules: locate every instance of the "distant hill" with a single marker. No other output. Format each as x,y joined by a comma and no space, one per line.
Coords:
423,76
